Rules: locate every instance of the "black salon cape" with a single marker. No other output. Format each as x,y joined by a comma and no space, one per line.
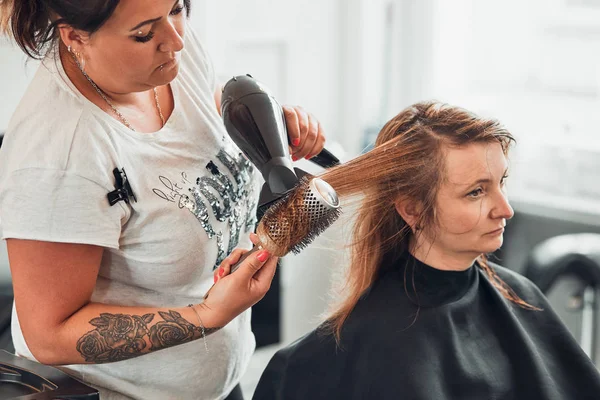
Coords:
465,342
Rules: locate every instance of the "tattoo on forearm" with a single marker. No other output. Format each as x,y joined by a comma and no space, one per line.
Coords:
120,337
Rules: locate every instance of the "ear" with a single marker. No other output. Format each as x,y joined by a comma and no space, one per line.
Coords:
72,37
409,210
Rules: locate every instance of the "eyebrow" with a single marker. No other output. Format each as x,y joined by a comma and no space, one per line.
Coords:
477,182
486,180
146,22
150,21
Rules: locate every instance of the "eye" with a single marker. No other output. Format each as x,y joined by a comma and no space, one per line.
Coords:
503,180
475,193
176,11
144,39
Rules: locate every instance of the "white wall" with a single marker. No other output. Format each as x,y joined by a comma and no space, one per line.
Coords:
298,51
535,66
15,73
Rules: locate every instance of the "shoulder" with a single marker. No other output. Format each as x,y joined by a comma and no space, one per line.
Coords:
47,102
55,173
316,352
522,286
314,358
54,129
316,342
512,277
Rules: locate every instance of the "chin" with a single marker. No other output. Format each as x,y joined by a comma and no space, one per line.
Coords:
492,245
166,77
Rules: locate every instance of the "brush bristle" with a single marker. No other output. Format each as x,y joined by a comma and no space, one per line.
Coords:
295,220
324,223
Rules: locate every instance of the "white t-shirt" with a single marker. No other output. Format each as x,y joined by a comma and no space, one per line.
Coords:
196,201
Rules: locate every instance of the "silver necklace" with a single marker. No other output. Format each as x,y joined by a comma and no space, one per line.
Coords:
115,110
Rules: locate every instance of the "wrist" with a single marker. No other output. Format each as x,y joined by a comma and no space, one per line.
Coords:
210,317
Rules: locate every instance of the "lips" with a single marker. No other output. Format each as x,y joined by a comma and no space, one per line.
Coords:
496,231
167,64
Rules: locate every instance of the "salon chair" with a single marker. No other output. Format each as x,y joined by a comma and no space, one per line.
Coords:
572,255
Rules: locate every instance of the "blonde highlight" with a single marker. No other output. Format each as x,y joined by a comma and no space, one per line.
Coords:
6,10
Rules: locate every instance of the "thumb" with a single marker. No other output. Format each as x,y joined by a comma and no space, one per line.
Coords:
252,263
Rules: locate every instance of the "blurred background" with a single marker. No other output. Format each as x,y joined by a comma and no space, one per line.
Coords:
534,65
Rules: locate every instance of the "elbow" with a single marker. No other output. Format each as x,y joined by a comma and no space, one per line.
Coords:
45,356
44,346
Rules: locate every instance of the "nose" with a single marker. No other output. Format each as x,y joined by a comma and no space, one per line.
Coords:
502,208
172,41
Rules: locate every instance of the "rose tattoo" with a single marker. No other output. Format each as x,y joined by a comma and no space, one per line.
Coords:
118,337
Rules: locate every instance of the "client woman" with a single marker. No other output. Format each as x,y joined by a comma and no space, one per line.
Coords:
424,315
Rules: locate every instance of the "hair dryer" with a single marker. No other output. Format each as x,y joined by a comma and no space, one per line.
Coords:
256,123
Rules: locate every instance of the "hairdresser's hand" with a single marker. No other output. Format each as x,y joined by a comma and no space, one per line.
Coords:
305,133
234,293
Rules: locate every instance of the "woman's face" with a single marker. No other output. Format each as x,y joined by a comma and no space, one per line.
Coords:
472,207
138,47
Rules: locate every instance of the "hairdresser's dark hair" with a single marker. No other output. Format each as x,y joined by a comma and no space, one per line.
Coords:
33,23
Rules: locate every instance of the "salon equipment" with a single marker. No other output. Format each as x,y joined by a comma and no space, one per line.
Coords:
296,219
575,255
256,123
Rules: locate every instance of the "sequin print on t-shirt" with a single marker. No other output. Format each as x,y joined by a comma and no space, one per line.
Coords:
217,196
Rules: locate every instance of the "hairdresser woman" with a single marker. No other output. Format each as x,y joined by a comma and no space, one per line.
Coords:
112,292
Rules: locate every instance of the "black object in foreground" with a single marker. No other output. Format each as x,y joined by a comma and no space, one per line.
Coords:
27,380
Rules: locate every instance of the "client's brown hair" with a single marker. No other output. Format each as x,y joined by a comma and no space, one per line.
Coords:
407,162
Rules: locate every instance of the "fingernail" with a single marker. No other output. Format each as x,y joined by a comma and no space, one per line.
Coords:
262,256
294,158
308,157
215,279
221,272
296,141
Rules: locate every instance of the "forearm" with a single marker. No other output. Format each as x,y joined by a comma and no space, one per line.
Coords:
100,333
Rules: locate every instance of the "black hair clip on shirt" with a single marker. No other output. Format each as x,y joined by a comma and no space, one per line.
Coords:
123,190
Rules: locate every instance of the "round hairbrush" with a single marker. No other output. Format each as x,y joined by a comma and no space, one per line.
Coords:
296,219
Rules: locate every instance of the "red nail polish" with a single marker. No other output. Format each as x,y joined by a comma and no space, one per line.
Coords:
262,256
294,158
296,142
215,279
221,272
